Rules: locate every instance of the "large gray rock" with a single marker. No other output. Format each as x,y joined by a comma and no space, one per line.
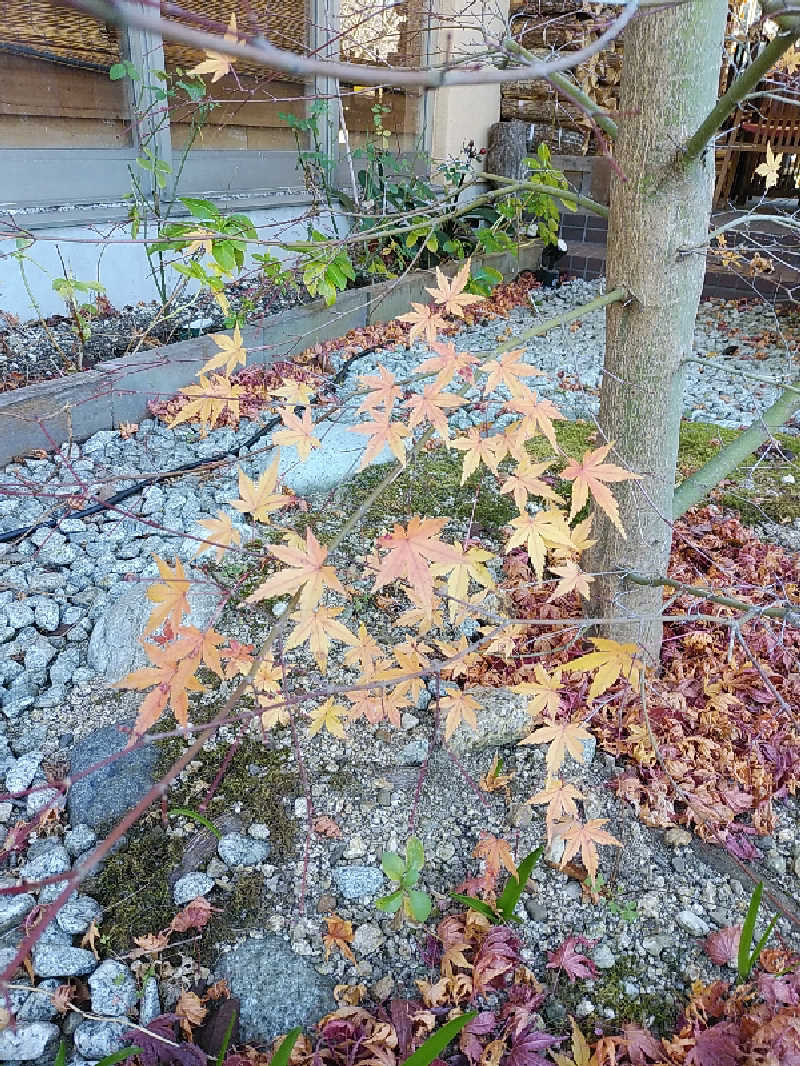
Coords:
78,913
114,648
38,1005
276,988
358,882
235,849
94,1040
47,863
337,460
28,1042
13,909
53,959
502,718
113,989
101,798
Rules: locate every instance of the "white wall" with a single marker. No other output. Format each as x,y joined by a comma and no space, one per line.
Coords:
121,264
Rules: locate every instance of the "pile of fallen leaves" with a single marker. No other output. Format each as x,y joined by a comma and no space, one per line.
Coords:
722,712
476,967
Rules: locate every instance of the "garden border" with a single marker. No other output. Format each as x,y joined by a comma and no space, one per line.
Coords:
51,413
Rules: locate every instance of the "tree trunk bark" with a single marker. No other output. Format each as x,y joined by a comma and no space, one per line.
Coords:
507,149
669,84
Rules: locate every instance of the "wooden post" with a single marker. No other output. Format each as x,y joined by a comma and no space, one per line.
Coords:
149,116
508,149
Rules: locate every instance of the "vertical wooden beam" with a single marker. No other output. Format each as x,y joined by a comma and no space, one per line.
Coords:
149,115
323,42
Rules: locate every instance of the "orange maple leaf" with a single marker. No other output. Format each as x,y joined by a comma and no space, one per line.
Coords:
190,1011
448,359
170,681
459,707
222,535
171,597
584,837
423,319
431,404
560,797
298,432
339,936
562,737
507,370
590,475
411,549
306,571
496,853
450,293
382,391
382,432
539,416
364,650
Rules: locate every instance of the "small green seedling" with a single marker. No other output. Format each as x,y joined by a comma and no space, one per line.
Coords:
503,911
747,959
281,1056
415,903
626,910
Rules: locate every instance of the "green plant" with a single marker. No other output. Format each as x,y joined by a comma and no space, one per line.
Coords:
436,1043
327,271
405,871
81,311
503,911
316,164
626,910
747,958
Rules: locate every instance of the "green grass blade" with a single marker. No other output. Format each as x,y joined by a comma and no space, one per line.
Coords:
61,1057
475,905
227,1038
744,962
120,1056
762,942
187,812
515,885
281,1056
438,1041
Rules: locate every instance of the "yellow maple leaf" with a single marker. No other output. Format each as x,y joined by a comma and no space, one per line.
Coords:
209,400
611,660
459,707
230,355
507,370
560,797
770,169
260,499
216,64
543,693
537,533
472,564
328,717
450,293
425,320
562,737
496,853
591,475
171,597
318,626
222,535
581,1052
479,449
525,482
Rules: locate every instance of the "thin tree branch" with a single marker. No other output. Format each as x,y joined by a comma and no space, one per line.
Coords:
741,87
785,614
561,320
691,491
738,373
268,55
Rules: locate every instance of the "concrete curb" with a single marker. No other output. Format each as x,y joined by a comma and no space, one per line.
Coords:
48,414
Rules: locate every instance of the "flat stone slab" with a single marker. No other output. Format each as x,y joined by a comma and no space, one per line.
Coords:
100,799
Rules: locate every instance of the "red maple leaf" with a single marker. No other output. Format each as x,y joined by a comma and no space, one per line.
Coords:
717,1046
571,960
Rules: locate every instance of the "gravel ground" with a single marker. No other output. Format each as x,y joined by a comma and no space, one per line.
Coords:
60,583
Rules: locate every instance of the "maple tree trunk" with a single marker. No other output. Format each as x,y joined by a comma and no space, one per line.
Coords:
663,204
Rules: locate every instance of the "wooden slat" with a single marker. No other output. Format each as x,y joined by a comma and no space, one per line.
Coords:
36,87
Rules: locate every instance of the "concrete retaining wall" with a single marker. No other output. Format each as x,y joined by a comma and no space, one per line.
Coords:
72,408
